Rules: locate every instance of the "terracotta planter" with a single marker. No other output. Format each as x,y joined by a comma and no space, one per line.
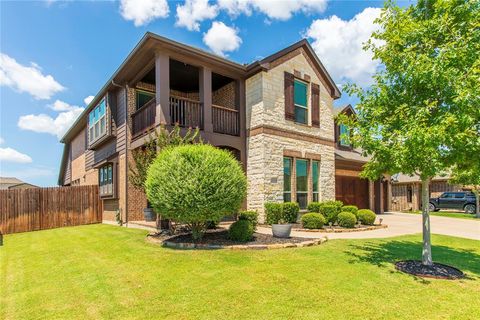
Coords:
281,230
149,215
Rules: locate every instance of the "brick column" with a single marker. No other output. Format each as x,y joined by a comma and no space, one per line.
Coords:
162,88
205,85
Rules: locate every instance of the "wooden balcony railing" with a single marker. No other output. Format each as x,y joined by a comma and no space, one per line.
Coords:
186,112
225,120
144,118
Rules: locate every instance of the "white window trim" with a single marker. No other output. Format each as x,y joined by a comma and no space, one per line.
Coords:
92,138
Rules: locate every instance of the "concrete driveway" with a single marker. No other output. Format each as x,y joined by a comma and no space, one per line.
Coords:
402,224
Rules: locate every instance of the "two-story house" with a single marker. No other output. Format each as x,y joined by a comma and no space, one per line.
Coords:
275,115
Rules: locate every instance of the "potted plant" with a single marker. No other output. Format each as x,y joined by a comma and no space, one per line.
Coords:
281,216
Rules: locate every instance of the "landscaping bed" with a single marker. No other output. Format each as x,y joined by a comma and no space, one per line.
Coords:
437,270
218,239
335,229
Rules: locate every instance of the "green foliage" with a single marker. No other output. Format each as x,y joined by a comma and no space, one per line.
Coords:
251,216
352,209
194,184
314,206
241,231
346,219
338,204
286,212
290,212
366,216
273,212
313,220
157,140
330,212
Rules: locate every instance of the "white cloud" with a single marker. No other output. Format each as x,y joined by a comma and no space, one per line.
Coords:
12,155
273,9
192,12
141,12
338,43
221,38
28,79
46,124
60,106
88,99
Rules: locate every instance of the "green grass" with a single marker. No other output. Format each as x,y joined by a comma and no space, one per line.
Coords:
449,214
108,272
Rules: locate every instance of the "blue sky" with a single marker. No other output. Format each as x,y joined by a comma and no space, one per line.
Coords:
55,54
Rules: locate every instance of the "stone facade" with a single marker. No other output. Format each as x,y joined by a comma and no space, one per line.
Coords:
265,107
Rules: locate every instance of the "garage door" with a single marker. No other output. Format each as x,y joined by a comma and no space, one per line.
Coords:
352,191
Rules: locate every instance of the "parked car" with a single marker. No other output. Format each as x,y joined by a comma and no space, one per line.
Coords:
454,200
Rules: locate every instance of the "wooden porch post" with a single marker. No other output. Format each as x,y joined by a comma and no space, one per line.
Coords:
205,85
162,88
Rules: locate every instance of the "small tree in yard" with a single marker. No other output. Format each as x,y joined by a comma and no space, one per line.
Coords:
421,115
195,184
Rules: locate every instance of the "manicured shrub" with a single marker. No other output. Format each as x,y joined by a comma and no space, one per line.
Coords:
366,216
241,231
273,212
313,220
338,204
314,206
290,212
251,216
352,209
330,212
195,184
346,219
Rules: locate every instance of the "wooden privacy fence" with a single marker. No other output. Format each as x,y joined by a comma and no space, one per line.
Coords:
46,208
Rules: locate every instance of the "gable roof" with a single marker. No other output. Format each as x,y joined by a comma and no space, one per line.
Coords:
343,109
9,182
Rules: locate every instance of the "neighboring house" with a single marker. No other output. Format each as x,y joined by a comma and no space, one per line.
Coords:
275,115
10,183
349,187
407,191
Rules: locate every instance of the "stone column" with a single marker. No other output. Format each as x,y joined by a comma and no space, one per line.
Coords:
162,88
205,85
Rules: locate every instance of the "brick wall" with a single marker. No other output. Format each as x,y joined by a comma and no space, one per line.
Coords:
225,96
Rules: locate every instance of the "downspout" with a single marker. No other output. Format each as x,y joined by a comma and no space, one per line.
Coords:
127,142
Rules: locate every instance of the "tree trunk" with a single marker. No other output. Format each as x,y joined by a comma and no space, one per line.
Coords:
477,206
427,246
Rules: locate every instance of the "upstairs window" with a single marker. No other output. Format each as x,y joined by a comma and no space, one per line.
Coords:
344,135
105,180
300,101
97,122
143,97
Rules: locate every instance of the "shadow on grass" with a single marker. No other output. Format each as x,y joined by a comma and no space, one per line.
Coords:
385,254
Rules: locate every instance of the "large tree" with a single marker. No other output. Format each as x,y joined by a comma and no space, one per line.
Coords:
422,112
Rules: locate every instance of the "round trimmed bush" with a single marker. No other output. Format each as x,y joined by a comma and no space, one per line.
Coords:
366,216
241,231
313,220
346,219
338,204
194,184
314,207
290,212
273,212
330,212
352,209
251,216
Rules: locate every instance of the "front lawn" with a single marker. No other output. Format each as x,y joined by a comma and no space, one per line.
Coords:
448,214
108,272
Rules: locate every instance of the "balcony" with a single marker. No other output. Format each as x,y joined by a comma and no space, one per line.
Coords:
144,118
186,112
225,120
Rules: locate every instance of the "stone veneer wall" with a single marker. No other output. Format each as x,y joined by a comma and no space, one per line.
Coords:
265,102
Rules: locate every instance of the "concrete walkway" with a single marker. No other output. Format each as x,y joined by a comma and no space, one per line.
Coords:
401,224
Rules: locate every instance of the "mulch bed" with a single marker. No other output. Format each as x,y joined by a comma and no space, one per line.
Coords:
221,238
218,239
437,270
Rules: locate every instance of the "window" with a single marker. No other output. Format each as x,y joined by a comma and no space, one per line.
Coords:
300,101
143,97
315,175
97,122
459,195
409,194
447,195
105,180
301,169
344,135
287,179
